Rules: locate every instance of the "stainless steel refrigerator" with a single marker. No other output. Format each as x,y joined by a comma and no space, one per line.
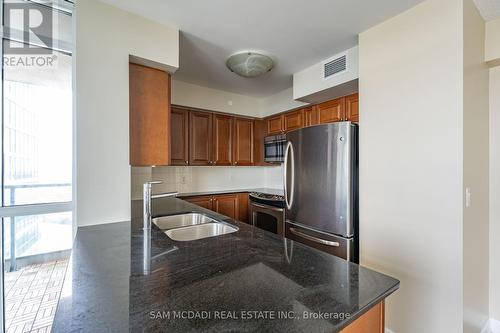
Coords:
321,188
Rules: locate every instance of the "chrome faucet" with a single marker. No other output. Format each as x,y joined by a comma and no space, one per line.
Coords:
147,197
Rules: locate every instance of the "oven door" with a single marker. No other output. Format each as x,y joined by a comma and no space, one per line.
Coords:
267,217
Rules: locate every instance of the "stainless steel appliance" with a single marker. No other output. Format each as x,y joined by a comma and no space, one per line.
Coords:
274,151
267,212
321,188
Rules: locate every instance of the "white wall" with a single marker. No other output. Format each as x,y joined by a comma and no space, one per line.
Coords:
205,179
495,193
105,37
492,47
279,102
476,169
493,56
188,94
411,156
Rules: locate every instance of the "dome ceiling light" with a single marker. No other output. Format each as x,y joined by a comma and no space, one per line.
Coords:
249,64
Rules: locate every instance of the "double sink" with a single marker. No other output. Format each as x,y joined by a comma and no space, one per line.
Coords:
192,226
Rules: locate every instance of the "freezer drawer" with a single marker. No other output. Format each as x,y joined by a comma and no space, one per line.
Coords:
344,248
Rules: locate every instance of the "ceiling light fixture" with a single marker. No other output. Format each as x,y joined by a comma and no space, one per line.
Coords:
249,64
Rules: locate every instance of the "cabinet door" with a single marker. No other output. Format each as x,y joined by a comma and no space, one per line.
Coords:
202,201
275,125
243,207
200,138
226,204
352,108
260,132
222,140
243,141
311,116
331,111
179,137
372,321
293,120
149,116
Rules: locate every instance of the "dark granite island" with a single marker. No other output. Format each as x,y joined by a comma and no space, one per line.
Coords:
247,281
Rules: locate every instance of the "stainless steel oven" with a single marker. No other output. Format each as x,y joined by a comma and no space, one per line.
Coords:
274,148
267,212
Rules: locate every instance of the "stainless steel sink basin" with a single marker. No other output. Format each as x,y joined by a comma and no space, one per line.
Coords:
200,231
181,220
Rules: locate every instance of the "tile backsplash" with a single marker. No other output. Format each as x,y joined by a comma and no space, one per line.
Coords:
195,179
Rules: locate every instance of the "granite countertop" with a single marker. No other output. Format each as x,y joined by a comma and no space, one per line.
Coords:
274,191
250,280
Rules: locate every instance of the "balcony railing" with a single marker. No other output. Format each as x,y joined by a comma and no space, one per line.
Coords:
11,200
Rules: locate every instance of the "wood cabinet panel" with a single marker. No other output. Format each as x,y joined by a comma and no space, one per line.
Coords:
275,125
226,204
311,117
260,132
179,137
331,111
373,321
243,141
352,108
293,120
243,201
202,201
200,138
222,140
149,116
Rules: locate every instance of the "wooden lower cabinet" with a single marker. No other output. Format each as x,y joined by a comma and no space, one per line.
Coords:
202,201
373,321
227,205
233,205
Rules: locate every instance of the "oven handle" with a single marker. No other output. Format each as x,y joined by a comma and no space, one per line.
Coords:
314,239
289,148
274,209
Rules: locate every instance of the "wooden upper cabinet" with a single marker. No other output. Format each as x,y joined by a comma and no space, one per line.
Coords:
311,116
179,137
149,116
260,132
293,120
227,205
200,138
243,141
202,201
275,125
331,111
352,108
222,140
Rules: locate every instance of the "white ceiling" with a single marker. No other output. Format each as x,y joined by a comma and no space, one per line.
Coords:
489,9
297,33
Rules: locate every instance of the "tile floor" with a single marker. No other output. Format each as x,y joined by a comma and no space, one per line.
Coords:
32,294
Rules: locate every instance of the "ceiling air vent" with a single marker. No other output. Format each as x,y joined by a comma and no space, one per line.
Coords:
335,66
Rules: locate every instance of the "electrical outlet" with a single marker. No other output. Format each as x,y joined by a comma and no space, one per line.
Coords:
468,195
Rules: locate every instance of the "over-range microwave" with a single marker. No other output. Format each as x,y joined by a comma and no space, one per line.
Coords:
274,148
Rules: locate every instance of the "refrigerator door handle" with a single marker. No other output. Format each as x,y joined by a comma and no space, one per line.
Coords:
314,239
285,172
289,149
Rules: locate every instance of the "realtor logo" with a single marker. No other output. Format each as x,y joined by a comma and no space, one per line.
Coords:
30,23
